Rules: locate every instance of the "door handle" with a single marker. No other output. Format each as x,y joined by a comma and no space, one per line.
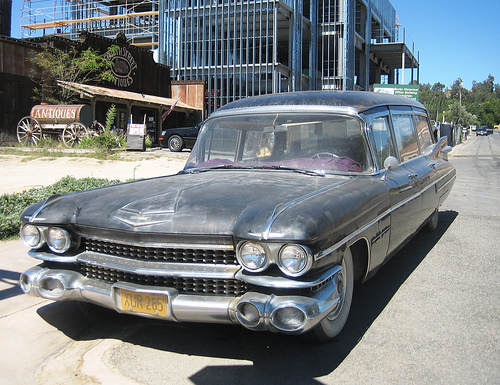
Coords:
412,176
432,165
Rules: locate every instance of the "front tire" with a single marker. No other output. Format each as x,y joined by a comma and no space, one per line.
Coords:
334,322
432,222
175,143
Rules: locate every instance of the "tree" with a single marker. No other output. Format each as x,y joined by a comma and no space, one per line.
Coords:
458,92
489,112
438,87
480,105
458,113
70,66
483,90
434,99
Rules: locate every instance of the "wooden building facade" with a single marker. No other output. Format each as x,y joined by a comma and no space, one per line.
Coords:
146,84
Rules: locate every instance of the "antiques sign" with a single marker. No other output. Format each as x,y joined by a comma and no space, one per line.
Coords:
59,113
123,66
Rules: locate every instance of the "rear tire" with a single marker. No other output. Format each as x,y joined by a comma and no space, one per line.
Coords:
334,322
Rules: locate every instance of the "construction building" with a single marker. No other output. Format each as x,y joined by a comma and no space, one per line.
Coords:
242,48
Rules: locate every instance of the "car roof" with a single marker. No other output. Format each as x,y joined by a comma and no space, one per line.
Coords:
357,100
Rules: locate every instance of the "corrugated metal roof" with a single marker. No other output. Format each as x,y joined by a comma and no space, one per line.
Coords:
110,93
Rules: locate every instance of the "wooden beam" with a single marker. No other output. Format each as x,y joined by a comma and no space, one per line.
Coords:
65,23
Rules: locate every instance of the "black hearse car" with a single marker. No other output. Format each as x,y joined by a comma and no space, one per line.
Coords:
285,202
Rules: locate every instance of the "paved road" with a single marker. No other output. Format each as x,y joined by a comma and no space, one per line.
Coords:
431,315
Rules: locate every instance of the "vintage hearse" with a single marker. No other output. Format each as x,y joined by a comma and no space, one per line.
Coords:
285,202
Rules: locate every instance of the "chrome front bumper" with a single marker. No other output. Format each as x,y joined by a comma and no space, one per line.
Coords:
292,314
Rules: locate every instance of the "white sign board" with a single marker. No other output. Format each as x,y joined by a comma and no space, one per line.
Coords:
136,129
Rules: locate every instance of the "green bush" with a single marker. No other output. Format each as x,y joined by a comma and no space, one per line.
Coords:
12,205
87,142
106,140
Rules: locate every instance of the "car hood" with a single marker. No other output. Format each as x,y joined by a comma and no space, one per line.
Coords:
257,204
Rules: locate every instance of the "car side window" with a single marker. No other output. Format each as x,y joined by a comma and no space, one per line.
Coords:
406,137
423,132
382,139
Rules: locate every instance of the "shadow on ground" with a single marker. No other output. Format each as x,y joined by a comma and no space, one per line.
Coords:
10,279
276,358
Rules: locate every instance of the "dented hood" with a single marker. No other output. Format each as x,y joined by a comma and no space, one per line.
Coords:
237,203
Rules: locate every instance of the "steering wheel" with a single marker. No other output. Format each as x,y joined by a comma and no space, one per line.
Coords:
324,155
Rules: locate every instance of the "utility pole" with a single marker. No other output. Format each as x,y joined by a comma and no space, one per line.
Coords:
460,84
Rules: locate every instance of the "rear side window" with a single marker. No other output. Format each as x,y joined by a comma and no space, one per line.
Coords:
406,137
423,132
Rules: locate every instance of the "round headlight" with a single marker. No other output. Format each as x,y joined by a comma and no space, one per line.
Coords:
58,240
252,256
294,260
31,236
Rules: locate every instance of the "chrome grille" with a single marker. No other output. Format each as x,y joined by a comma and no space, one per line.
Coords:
147,253
182,284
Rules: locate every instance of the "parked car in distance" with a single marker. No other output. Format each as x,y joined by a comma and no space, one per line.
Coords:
489,130
177,139
285,202
482,131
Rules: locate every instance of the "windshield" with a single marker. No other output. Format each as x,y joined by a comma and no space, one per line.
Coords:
321,143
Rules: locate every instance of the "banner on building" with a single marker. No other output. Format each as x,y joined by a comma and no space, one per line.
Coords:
410,91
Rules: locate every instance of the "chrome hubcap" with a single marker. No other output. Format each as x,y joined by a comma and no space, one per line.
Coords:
341,293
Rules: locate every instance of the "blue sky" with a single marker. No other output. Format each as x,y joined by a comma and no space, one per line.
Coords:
455,39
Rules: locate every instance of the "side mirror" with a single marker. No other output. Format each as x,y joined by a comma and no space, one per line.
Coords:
391,163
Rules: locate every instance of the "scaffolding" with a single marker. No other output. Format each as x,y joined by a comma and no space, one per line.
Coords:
243,48
240,48
138,20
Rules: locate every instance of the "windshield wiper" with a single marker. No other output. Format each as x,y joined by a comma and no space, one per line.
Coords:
254,167
297,170
219,167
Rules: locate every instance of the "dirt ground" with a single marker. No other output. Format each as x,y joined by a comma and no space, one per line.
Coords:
23,172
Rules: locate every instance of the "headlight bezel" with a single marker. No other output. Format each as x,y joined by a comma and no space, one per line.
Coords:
70,240
307,259
275,253
25,237
66,237
240,256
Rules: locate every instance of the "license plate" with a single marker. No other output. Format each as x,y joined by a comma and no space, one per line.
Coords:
145,303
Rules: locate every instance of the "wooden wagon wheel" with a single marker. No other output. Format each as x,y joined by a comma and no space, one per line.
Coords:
96,128
74,133
29,131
